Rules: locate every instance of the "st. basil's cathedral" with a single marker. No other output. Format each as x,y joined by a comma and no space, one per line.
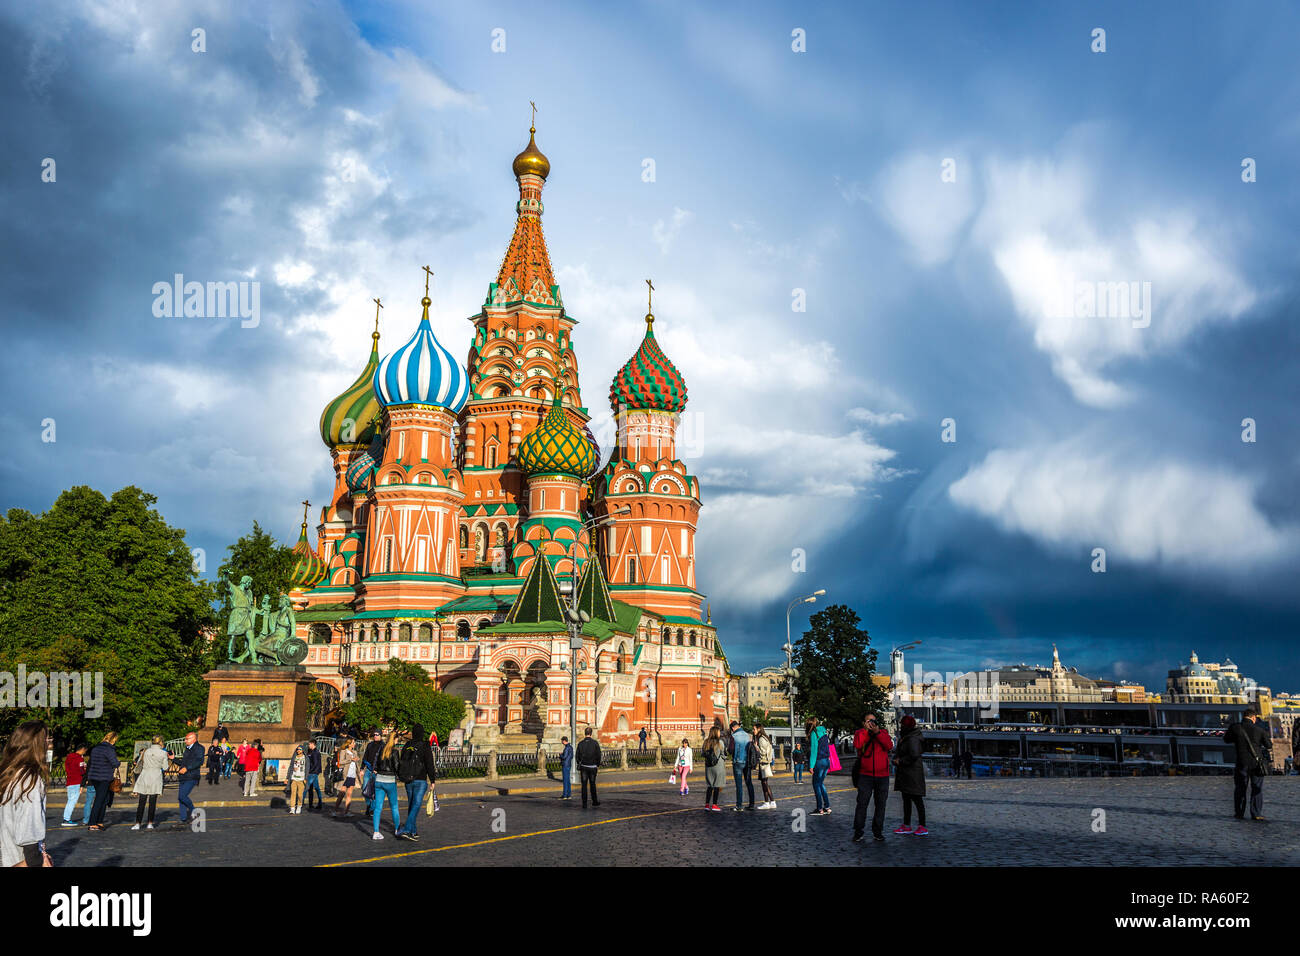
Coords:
468,505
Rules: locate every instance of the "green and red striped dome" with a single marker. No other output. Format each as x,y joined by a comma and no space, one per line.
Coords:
648,380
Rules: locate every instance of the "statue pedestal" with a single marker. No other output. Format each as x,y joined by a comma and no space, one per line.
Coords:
261,701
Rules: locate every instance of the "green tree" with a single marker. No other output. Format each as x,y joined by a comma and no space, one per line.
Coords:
403,695
269,564
835,662
106,586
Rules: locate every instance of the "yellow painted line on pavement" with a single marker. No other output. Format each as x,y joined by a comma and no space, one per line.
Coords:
534,833
514,836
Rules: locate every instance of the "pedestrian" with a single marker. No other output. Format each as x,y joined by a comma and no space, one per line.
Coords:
250,761
221,734
239,762
313,778
296,778
433,739
566,769
385,782
819,762
101,771
741,765
23,782
642,736
368,765
216,757
1251,740
345,758
588,764
682,767
871,777
797,760
956,763
187,777
909,776
74,768
967,763
417,769
714,772
766,754
151,764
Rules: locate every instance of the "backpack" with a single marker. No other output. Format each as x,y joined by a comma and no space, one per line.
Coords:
751,754
711,756
410,765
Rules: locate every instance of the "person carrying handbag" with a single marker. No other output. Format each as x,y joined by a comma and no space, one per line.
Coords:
765,754
1250,738
682,768
819,762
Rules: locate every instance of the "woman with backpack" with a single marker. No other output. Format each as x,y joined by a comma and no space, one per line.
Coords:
766,753
819,760
346,761
682,767
714,771
149,769
909,776
385,784
23,779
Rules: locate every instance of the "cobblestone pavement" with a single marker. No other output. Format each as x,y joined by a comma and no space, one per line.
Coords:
1148,821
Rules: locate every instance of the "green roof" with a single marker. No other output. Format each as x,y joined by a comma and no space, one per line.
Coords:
325,612
593,593
475,603
678,619
539,598
389,615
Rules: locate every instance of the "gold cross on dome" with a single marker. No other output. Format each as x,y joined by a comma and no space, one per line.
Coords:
534,122
428,275
649,296
305,506
378,305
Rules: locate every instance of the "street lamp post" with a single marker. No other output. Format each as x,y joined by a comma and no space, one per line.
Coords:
789,654
575,619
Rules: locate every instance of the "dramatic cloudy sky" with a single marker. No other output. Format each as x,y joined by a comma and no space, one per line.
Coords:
329,150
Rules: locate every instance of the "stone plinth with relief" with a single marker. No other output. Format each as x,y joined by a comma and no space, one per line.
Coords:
261,701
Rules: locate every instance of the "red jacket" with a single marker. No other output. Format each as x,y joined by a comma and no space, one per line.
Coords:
251,759
875,762
76,767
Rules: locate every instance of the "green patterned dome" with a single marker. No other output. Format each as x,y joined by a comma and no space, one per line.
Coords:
557,447
351,418
308,569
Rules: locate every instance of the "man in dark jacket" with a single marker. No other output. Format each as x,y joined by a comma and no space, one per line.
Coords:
1254,755
313,778
566,769
419,766
187,777
588,764
873,744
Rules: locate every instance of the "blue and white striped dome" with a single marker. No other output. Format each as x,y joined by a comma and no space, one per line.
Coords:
422,372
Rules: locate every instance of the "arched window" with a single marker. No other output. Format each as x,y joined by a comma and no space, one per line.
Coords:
464,537
404,632
484,623
388,555
680,637
320,634
667,636
462,631
492,456
631,570
425,632
692,638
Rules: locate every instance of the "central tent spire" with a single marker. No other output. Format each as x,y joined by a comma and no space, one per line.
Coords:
525,274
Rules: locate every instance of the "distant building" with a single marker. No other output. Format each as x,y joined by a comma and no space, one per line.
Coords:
1123,692
762,689
1210,683
1019,683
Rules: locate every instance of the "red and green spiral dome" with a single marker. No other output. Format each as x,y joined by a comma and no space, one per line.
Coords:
648,380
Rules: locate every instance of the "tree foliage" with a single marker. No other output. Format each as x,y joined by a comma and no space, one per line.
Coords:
835,662
403,695
105,585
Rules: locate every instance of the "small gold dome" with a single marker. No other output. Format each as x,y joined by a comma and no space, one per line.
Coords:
531,160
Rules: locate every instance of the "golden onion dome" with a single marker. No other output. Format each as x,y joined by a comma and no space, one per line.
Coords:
531,160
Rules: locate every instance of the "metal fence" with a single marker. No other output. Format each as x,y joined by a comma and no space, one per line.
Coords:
941,766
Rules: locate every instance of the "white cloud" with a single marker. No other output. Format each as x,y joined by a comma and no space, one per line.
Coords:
875,419
926,211
665,233
1164,513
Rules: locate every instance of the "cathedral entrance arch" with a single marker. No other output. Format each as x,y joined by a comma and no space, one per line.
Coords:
534,697
512,686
